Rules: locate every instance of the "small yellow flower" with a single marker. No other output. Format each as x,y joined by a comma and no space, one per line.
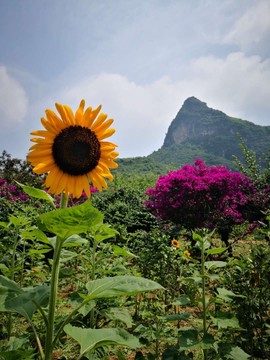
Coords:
187,253
35,269
175,243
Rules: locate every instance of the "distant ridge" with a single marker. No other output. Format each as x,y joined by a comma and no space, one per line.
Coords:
201,132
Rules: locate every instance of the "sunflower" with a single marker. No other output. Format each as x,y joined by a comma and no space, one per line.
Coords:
187,253
175,243
72,151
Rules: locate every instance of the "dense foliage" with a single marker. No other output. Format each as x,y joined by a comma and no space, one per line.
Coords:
212,307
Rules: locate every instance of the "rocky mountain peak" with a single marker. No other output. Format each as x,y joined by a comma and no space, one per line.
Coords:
195,119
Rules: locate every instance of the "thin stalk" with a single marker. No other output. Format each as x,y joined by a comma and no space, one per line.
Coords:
12,276
53,291
203,296
37,339
67,320
93,276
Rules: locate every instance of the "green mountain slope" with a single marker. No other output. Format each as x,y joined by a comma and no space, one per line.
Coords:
201,132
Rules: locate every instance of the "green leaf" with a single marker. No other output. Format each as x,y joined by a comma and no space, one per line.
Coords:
18,221
85,309
117,250
216,251
25,303
90,339
119,286
207,341
101,232
119,314
74,220
4,224
177,317
22,301
197,237
215,264
8,290
188,339
41,251
232,352
225,320
37,193
67,255
182,300
227,295
74,240
4,269
17,354
17,348
35,234
172,353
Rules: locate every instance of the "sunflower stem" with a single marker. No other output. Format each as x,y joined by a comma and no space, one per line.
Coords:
93,277
53,290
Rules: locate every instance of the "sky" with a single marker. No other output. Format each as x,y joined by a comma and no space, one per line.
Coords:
140,59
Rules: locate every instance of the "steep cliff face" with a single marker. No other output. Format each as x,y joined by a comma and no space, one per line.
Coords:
214,131
195,120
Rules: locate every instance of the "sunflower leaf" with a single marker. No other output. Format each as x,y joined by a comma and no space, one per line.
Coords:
37,193
22,301
121,285
74,220
90,339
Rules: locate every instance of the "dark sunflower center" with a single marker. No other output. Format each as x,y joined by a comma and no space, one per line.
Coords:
76,150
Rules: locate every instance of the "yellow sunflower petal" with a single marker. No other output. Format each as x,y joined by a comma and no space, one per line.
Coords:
86,115
85,185
64,182
106,134
89,121
108,163
70,114
100,120
62,112
42,141
40,153
71,184
48,126
52,179
42,168
97,179
101,128
79,113
55,186
41,133
54,120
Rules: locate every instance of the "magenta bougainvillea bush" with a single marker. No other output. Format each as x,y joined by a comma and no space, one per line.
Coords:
197,196
11,192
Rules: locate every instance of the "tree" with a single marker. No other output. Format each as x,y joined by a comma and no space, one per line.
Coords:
20,170
198,196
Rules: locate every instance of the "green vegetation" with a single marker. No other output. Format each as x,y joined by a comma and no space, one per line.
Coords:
130,286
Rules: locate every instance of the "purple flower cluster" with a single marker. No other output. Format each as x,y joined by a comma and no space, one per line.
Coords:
201,196
11,192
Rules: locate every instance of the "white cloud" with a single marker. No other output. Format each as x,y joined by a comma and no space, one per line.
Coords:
252,26
236,85
142,113
13,100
